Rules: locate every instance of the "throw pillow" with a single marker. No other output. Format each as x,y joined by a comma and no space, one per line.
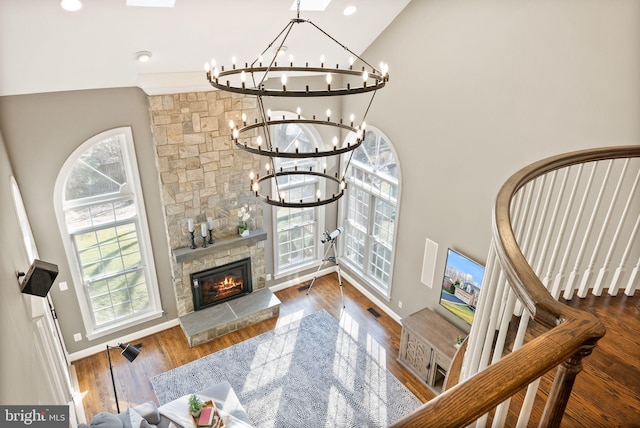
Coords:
149,411
135,418
105,420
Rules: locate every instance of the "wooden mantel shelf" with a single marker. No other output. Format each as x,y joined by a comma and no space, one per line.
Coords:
187,254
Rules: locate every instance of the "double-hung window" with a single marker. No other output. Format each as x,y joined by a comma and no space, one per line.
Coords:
371,210
296,229
103,223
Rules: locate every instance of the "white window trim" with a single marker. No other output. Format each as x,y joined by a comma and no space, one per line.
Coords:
343,213
280,272
131,163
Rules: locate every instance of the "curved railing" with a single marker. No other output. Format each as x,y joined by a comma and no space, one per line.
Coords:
547,217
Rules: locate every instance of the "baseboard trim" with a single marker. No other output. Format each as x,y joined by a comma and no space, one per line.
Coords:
300,279
124,339
369,295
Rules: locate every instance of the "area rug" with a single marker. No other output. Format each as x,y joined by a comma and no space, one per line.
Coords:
309,372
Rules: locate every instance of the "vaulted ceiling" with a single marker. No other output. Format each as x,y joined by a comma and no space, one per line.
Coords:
44,48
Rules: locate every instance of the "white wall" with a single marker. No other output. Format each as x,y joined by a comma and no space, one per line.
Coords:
479,89
23,374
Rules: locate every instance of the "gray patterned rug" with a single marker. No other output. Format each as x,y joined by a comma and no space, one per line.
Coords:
310,372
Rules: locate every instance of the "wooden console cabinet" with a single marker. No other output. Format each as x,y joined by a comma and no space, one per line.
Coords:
426,347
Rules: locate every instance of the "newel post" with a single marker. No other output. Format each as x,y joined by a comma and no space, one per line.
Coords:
561,389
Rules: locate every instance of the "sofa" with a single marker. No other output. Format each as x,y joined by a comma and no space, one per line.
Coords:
145,415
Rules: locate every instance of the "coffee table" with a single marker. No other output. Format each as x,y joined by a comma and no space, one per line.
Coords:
224,397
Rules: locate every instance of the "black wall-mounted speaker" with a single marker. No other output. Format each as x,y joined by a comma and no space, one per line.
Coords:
39,278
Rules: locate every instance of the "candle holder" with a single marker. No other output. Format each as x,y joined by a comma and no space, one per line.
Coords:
193,241
204,241
211,241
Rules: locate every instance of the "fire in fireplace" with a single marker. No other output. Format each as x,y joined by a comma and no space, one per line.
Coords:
220,284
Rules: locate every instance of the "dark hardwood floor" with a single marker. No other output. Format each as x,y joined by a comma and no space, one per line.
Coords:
606,393
169,349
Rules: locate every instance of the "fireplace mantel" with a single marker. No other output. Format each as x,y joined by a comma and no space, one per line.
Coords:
187,254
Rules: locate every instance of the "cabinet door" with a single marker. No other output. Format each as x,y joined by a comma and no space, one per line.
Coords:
418,356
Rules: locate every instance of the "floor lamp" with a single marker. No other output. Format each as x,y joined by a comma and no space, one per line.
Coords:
130,352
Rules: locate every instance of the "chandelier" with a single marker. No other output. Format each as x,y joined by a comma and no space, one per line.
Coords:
294,81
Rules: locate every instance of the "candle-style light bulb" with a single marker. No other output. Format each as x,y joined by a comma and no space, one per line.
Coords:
207,67
251,175
342,185
243,76
364,125
233,60
283,79
329,78
244,118
216,72
260,59
259,140
296,144
291,59
267,166
365,76
321,60
385,68
351,60
269,114
236,133
328,114
255,187
352,117
232,124
298,111
318,194
282,196
335,141
324,166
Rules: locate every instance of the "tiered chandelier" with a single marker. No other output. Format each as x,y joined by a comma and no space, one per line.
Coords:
358,78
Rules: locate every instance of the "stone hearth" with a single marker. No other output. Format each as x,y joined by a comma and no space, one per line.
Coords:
202,326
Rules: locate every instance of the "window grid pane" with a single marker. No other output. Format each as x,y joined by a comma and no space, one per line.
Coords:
101,219
371,210
118,296
296,228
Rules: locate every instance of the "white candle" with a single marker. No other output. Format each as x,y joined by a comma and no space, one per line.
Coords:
203,228
190,223
210,223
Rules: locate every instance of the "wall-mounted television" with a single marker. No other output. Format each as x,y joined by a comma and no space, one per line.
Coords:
461,285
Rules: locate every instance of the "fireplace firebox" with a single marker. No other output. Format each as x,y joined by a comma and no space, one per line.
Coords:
220,284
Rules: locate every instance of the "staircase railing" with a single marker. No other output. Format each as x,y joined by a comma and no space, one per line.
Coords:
558,226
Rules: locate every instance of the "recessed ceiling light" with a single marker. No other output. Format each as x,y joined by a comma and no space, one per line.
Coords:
349,10
71,5
143,56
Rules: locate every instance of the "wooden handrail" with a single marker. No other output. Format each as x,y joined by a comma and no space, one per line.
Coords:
572,335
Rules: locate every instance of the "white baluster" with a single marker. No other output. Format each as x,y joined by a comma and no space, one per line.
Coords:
568,289
597,287
554,288
582,291
632,284
615,282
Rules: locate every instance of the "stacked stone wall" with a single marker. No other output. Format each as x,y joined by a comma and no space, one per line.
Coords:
202,174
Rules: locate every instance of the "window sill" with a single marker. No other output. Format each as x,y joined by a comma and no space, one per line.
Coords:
125,324
297,269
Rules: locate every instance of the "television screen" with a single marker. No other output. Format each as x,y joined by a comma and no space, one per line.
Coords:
461,285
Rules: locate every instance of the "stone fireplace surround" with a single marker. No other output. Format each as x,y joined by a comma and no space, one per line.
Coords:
201,174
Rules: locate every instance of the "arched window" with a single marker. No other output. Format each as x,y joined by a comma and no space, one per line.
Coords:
101,216
370,210
296,229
